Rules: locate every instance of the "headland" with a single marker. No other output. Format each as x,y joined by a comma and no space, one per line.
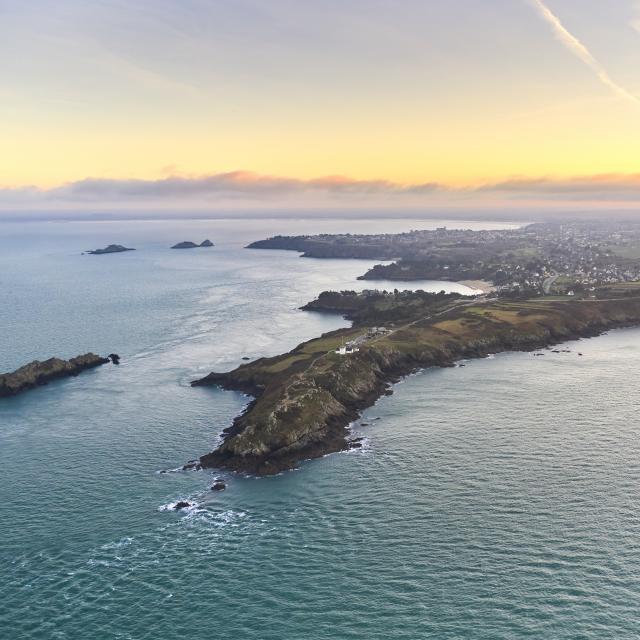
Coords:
305,400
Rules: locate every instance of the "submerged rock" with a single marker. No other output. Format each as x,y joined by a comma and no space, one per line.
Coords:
218,486
114,357
182,504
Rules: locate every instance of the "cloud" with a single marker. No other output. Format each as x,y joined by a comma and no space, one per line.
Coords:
576,47
234,184
222,189
609,187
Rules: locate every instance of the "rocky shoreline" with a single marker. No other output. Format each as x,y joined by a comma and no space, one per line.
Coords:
39,373
304,401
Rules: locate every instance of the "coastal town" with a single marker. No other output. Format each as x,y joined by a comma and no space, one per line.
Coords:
547,258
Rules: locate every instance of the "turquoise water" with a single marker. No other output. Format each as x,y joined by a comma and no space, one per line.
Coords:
493,501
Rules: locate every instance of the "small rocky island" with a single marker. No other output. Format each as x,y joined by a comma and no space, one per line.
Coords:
38,373
305,400
112,248
192,245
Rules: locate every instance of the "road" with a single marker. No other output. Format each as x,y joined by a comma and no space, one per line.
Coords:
548,283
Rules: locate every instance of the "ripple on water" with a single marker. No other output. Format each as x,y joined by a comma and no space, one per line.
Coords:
492,501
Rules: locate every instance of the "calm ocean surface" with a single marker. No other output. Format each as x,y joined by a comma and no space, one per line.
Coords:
494,501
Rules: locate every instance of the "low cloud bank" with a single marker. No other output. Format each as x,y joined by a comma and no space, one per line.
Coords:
607,187
242,184
253,190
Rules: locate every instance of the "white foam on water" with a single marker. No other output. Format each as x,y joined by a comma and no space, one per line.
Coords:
229,516
92,562
196,513
215,520
365,446
176,470
123,542
171,506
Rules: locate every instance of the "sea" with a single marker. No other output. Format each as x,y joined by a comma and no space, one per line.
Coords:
498,500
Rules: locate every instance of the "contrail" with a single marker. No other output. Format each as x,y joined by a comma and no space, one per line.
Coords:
578,49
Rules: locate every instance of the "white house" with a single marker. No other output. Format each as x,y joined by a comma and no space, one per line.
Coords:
346,348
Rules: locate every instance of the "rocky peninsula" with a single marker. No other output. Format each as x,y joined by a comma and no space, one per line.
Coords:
305,400
38,373
112,248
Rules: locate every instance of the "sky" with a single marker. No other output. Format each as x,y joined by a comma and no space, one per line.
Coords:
207,104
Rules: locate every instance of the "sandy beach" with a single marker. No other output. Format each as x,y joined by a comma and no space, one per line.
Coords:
481,285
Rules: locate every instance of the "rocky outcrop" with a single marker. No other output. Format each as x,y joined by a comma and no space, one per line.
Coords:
112,248
187,244
38,373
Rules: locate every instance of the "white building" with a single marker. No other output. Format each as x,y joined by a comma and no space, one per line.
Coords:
346,349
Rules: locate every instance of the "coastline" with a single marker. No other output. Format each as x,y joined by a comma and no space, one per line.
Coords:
305,400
